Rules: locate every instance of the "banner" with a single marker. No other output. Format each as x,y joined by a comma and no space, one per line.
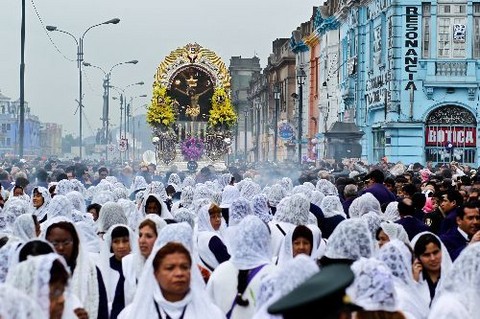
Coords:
458,136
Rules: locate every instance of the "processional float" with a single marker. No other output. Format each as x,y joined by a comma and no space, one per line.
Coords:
191,106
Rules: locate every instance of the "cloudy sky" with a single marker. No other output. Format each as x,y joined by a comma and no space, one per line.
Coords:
148,31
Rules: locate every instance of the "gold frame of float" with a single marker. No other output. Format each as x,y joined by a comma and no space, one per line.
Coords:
193,57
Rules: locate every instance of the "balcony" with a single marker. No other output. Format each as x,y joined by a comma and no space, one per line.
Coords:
450,68
454,73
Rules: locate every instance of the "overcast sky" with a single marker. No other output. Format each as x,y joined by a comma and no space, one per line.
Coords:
148,31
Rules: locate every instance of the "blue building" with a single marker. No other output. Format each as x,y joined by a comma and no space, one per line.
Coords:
9,126
409,72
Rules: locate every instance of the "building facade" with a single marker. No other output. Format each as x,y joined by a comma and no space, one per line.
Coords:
241,71
51,139
409,70
9,129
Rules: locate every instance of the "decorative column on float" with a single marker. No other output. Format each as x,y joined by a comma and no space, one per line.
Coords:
161,117
220,123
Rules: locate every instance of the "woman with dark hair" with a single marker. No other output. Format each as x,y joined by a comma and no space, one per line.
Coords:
432,263
133,264
119,241
40,200
210,241
171,286
87,281
34,248
48,273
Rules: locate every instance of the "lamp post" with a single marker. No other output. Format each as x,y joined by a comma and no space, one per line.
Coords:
80,53
106,98
129,115
123,106
245,141
276,96
301,76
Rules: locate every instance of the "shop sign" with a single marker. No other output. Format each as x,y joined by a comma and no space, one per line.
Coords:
458,136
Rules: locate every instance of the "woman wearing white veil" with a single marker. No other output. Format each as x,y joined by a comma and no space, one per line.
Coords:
282,281
397,256
148,230
41,277
430,260
15,304
460,294
149,293
39,200
234,284
119,241
87,282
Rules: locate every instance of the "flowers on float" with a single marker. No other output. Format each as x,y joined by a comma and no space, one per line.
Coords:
160,111
192,148
222,112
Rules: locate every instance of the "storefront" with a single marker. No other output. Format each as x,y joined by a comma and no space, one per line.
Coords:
451,135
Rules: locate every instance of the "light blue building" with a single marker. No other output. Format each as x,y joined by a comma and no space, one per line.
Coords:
9,129
410,71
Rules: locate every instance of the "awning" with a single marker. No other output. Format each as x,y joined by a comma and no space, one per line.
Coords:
344,130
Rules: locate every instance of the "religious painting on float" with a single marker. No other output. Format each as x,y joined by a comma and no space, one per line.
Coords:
191,99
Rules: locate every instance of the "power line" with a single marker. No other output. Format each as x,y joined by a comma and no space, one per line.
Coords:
45,30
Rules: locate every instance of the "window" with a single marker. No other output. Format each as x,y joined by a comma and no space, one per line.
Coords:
426,30
451,31
476,30
8,141
8,127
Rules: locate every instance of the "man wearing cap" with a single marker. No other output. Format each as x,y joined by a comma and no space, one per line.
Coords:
374,182
320,297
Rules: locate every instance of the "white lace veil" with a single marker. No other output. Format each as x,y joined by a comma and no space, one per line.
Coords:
84,278
395,231
15,304
60,205
229,194
463,280
148,285
372,288
391,212
7,256
42,210
110,214
24,227
351,239
398,258
32,277
446,264
77,200
282,281
364,204
250,244
239,208
260,207
332,206
294,209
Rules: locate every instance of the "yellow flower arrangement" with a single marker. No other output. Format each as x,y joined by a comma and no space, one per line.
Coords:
222,112
160,111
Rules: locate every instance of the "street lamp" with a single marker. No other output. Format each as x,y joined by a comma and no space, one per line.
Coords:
246,152
123,106
128,116
106,98
276,96
79,43
301,76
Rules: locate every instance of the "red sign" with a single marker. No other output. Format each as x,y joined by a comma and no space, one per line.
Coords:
458,136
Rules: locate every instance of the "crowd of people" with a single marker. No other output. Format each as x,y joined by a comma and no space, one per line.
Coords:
338,240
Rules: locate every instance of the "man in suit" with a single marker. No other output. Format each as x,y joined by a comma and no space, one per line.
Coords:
467,230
